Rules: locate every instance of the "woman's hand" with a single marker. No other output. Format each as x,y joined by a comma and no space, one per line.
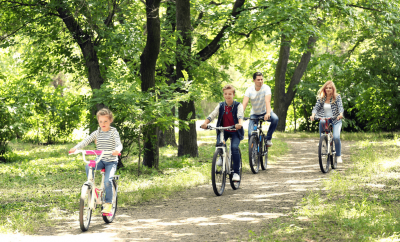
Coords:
72,150
115,153
340,117
238,126
312,117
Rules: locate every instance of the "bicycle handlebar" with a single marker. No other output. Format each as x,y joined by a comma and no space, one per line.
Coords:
100,153
231,128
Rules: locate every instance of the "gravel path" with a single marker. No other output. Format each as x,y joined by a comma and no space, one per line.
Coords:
198,215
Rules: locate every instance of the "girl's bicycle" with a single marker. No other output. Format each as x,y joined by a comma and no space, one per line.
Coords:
257,148
91,196
222,164
326,148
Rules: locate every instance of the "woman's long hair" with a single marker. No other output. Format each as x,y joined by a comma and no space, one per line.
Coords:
322,93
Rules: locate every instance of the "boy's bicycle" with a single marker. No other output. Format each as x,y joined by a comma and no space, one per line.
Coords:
326,148
257,147
222,164
91,196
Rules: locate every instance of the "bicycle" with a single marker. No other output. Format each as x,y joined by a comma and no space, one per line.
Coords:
219,172
91,196
257,147
326,148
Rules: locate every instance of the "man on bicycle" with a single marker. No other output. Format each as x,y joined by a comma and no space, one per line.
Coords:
229,113
260,97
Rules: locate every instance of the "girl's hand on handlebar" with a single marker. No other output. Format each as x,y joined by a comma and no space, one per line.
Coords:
115,153
72,150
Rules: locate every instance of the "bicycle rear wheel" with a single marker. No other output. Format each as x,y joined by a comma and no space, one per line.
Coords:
323,154
333,156
235,184
254,158
110,217
218,176
264,156
85,213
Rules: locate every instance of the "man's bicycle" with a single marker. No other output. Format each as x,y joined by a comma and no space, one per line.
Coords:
222,164
326,148
91,196
258,149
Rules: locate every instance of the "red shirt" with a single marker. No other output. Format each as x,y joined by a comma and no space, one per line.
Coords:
227,119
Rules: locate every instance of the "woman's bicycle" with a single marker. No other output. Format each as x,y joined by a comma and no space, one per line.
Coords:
326,148
222,164
91,196
258,149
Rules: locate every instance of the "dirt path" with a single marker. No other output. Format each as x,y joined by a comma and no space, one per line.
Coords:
198,215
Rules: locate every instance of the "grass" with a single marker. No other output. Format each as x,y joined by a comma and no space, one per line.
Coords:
42,184
360,204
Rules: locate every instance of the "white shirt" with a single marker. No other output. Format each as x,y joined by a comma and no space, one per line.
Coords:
328,110
257,98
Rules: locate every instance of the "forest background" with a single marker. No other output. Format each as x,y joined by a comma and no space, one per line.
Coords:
160,64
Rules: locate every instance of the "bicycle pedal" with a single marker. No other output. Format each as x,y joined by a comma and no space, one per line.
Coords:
107,214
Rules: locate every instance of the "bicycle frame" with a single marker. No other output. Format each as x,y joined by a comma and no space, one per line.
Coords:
328,133
226,165
257,129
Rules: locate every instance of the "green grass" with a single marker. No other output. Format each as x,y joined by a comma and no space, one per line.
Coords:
360,204
42,183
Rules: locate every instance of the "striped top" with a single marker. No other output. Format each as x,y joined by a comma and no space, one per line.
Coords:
336,106
108,141
257,98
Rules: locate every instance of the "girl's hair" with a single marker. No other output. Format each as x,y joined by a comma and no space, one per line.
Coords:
105,112
322,93
227,87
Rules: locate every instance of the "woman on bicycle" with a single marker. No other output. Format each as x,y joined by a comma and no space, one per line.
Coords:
108,139
229,113
329,104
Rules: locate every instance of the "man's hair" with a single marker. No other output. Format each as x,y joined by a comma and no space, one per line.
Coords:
105,112
227,87
257,74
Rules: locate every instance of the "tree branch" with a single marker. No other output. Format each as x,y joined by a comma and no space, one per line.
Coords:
372,9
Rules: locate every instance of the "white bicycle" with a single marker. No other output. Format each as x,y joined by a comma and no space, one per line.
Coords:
91,196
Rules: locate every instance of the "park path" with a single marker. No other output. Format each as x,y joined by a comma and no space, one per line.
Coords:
198,215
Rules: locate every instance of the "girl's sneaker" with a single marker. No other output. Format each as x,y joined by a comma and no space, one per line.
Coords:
107,208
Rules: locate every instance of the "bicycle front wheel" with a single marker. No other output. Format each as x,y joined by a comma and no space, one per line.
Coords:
333,156
218,176
264,156
323,154
108,218
85,213
254,158
235,184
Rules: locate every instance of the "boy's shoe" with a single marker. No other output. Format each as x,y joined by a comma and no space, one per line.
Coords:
236,177
269,143
339,159
106,208
219,161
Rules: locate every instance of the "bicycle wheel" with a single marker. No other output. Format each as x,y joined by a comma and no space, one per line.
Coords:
264,156
218,176
85,213
323,154
235,184
254,158
333,156
110,217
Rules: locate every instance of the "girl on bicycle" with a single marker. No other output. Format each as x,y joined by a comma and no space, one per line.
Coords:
107,139
229,113
329,104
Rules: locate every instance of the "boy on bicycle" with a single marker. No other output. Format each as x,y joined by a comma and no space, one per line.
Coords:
107,139
229,113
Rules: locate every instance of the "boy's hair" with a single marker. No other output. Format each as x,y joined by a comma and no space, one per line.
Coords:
227,87
257,74
105,112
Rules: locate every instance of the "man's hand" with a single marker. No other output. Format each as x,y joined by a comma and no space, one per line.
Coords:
238,126
115,153
267,116
204,126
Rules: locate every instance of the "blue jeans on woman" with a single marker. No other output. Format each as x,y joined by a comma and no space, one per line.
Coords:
274,122
336,134
235,141
111,168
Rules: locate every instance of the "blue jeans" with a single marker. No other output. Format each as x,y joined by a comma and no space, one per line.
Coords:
274,122
336,134
235,141
111,168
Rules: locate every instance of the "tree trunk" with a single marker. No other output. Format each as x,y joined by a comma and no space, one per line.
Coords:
187,138
147,71
282,99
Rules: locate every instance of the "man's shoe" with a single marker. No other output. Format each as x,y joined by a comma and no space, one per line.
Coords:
107,208
269,143
219,161
339,159
236,177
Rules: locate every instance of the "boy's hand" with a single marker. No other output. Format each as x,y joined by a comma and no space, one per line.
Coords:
204,126
238,126
72,150
115,153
